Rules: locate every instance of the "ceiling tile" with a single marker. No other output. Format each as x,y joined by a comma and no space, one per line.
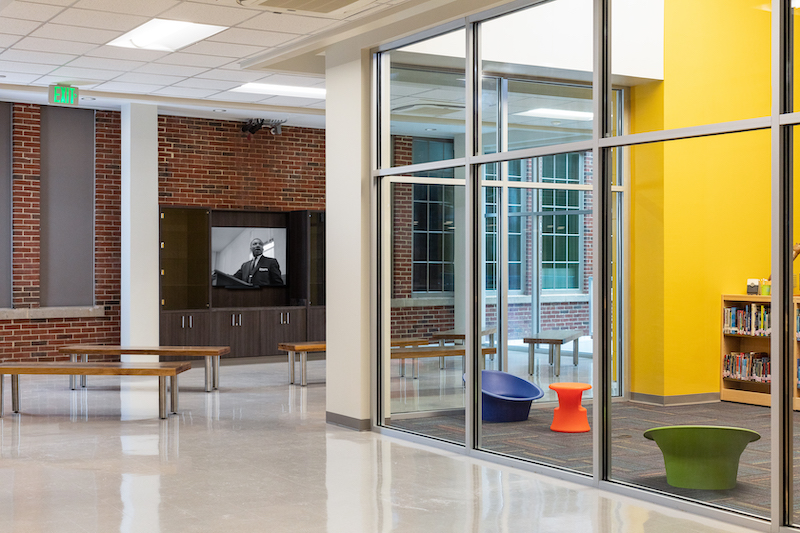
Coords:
130,54
145,8
18,77
119,87
53,2
252,37
289,101
29,11
297,81
232,51
85,73
185,92
17,26
75,33
82,84
176,70
194,60
7,40
242,76
229,96
51,45
286,23
150,79
105,63
208,14
36,57
217,85
13,66
99,19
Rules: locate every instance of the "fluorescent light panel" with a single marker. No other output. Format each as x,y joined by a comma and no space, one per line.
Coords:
166,35
281,90
559,114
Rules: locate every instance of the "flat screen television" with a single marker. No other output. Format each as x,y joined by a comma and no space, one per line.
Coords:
231,257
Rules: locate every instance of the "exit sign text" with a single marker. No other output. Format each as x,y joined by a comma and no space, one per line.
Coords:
59,94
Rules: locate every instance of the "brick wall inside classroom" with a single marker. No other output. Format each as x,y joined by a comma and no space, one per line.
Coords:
207,163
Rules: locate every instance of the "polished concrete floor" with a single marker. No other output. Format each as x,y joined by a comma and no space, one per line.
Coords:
257,456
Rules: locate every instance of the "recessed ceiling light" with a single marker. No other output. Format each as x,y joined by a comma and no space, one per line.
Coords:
2,75
430,129
563,114
220,111
281,90
88,98
166,35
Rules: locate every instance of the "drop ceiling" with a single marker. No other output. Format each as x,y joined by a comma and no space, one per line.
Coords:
45,42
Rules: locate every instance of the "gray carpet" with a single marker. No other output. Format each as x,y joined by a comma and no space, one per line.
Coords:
634,459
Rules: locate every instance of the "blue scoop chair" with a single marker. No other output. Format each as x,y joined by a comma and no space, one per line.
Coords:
507,398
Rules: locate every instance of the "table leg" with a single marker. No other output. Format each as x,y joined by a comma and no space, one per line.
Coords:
162,396
557,357
84,359
575,352
303,369
15,393
291,366
441,358
73,379
209,372
531,351
173,393
215,365
550,358
415,368
2,396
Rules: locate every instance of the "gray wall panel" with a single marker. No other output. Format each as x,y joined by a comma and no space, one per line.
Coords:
67,207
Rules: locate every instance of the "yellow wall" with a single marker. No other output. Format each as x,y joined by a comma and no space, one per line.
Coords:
700,208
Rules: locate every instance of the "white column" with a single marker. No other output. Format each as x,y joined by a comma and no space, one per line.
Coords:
139,320
347,224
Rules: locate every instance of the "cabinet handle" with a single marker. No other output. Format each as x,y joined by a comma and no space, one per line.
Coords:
183,321
281,318
191,321
240,319
233,319
288,317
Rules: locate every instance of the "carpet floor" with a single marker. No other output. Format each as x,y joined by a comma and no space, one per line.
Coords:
634,459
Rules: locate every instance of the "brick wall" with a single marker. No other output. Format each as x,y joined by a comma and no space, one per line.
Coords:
208,163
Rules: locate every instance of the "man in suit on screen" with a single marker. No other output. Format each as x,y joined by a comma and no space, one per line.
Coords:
260,270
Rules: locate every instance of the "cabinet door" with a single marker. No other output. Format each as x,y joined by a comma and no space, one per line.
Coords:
316,323
282,324
238,329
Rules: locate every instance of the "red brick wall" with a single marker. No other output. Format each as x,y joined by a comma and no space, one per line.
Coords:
206,163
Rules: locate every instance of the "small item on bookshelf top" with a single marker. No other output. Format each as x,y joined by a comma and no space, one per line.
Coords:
766,287
752,286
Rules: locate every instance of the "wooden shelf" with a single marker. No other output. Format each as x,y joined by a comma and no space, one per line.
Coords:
746,391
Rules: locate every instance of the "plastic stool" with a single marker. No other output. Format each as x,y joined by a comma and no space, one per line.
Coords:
570,416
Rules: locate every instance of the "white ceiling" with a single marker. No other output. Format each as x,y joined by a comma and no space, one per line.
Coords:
44,42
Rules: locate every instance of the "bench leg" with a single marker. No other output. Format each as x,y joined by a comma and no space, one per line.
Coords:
402,368
162,396
209,372
73,380
550,349
215,362
575,352
2,396
531,351
173,393
84,359
303,369
291,366
15,393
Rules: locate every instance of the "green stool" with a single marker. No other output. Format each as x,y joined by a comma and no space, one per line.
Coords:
701,457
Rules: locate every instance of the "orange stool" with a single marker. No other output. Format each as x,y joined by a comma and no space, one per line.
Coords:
570,416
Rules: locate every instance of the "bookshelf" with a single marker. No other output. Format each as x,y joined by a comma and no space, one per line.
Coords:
745,350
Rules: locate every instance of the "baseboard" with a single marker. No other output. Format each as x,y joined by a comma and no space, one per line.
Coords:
348,422
679,399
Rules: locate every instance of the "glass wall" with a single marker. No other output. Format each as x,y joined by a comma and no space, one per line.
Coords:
619,269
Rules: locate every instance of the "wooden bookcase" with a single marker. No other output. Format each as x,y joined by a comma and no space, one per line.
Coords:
747,391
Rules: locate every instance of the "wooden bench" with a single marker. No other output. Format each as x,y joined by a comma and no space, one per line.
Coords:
417,352
456,335
72,368
554,338
302,348
210,353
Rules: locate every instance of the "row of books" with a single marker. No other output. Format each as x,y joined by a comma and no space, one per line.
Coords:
748,319
747,366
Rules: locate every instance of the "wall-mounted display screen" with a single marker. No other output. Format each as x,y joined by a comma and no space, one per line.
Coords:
245,258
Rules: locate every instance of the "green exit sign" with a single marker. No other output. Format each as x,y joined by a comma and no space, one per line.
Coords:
59,94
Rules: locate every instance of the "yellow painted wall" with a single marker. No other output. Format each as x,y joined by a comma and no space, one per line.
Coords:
700,208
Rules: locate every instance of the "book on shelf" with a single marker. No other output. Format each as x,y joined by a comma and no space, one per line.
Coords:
748,319
747,366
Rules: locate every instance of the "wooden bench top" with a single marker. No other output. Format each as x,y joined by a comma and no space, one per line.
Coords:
554,336
102,349
433,351
459,335
308,346
409,342
96,369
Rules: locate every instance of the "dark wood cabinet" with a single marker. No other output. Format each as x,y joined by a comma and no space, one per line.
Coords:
282,324
185,273
237,328
184,328
316,323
